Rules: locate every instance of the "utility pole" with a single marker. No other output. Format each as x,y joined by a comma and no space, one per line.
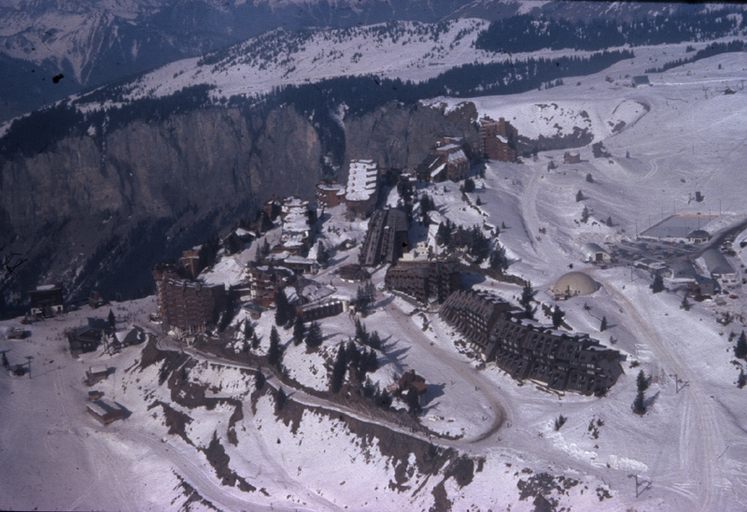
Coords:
679,384
641,486
29,358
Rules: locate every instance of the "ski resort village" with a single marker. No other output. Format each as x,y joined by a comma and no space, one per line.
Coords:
546,313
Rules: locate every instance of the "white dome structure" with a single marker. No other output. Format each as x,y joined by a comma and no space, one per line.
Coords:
574,283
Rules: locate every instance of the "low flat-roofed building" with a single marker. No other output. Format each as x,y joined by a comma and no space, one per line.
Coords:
594,253
106,411
719,268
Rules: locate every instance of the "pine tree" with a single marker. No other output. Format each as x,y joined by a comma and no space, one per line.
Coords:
413,401
658,284
365,296
589,178
322,254
579,196
527,296
298,331
609,222
498,259
6,364
585,215
740,349
255,341
111,321
374,340
557,316
361,334
642,382
338,370
280,399
603,324
283,314
742,379
259,381
314,336
248,330
275,353
639,404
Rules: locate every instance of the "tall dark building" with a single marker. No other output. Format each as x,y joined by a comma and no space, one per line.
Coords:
424,281
386,238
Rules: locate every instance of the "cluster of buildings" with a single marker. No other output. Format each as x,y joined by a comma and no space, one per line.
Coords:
448,160
529,351
97,331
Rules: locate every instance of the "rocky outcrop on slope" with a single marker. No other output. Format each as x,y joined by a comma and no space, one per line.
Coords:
96,211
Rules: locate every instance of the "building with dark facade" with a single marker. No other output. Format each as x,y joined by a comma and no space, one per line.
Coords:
498,140
265,281
187,305
318,310
46,301
528,351
330,194
424,281
386,238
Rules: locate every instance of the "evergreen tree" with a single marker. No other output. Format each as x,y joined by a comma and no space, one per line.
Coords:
248,330
740,349
283,312
338,370
585,215
609,222
589,178
314,336
658,284
742,379
259,381
603,324
639,404
579,196
280,399
642,382
365,296
255,341
6,364
469,186
275,353
413,401
111,321
361,334
498,259
527,296
322,254
298,331
557,316
374,340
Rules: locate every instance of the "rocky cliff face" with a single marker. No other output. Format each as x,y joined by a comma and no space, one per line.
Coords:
97,211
